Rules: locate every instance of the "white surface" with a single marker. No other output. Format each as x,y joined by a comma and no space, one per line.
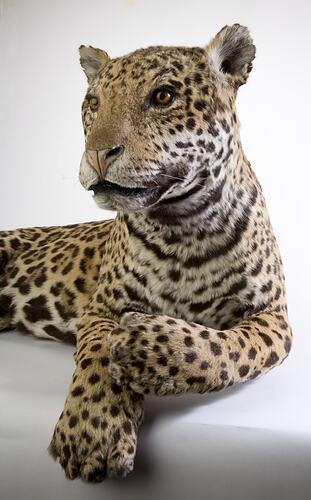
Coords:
256,438
228,456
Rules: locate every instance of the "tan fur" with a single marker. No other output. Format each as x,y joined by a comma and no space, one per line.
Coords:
184,290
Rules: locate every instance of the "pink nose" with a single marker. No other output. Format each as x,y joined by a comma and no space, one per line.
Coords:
101,159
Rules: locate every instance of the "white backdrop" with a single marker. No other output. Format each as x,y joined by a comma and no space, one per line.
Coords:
41,142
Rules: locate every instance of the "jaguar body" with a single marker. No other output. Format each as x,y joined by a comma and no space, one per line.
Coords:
184,290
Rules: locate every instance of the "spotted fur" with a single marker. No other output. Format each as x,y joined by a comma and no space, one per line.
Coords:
184,290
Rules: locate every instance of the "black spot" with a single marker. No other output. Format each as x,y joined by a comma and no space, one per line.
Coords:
213,130
237,287
266,287
191,380
287,344
73,421
116,388
117,294
272,359
256,270
204,334
67,268
133,294
216,171
225,125
55,332
216,349
40,279
85,414
255,374
89,252
162,338
36,310
196,380
174,275
6,305
171,322
199,105
190,124
156,328
94,378
162,360
188,341
267,340
190,357
66,451
86,362
95,421
15,243
98,396
224,375
201,380
252,353
198,78
127,427
80,284
116,436
173,371
222,335
104,423
65,313
82,266
243,370
77,391
95,347
210,148
104,361
114,411
235,356
241,342
260,321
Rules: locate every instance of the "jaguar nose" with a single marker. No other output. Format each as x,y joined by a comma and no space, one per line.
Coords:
101,159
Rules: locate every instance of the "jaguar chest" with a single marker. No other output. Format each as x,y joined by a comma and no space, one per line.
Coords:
207,296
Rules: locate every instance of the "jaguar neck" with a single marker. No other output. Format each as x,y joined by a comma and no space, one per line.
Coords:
219,211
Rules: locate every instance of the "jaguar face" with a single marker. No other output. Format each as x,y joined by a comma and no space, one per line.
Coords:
160,122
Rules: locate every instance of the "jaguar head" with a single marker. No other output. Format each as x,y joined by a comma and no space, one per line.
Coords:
160,123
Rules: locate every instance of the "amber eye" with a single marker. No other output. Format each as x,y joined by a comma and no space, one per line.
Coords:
162,97
93,102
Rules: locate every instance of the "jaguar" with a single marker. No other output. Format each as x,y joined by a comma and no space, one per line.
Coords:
183,291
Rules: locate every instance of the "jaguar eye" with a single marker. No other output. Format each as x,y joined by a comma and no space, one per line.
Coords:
93,103
162,97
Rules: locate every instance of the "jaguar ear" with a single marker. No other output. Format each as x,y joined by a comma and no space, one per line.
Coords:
92,60
231,53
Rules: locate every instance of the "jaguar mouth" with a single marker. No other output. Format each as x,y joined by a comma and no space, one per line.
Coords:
105,187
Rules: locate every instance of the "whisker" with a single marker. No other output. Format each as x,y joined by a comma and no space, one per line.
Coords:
173,177
182,179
